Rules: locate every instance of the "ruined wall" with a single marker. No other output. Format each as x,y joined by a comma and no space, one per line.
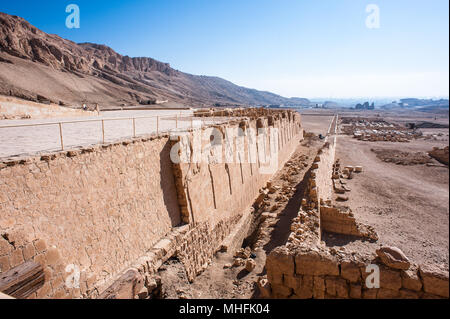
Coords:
100,208
118,211
213,196
305,268
321,186
317,273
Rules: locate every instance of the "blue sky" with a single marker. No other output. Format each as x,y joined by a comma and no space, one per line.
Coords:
305,48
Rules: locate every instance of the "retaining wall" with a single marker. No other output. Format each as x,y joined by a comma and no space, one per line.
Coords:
117,211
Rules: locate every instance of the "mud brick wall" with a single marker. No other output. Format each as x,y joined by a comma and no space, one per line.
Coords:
100,208
318,274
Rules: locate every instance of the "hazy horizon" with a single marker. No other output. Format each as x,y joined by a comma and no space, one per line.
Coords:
295,49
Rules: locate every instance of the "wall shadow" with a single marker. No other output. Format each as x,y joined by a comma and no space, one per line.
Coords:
167,183
282,228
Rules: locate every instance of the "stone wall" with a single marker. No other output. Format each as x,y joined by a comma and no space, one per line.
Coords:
213,196
305,268
101,207
117,211
321,186
318,273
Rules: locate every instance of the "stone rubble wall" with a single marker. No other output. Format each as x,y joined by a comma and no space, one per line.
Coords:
320,184
340,220
317,273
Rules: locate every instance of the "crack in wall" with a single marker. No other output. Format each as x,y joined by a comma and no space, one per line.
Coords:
212,185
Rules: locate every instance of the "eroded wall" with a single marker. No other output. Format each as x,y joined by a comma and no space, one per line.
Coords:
215,195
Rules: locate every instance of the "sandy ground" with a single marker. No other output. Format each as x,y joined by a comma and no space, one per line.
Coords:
317,124
407,205
117,124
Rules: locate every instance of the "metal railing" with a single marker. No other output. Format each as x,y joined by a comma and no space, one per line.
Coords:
175,117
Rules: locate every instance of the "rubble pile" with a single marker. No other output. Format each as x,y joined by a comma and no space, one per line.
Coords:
440,154
377,130
339,178
402,158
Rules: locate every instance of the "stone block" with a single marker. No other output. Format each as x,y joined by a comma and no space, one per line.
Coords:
408,294
393,257
52,256
350,271
280,261
319,288
390,279
16,258
305,289
292,281
411,280
435,281
5,247
384,293
315,264
250,264
330,285
29,251
370,293
355,292
4,264
280,291
341,288
40,245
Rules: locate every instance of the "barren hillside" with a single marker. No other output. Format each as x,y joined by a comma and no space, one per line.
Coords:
34,63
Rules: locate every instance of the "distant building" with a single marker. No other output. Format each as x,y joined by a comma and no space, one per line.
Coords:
365,106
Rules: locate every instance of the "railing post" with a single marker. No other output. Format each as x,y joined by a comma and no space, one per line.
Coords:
103,131
157,125
61,136
134,127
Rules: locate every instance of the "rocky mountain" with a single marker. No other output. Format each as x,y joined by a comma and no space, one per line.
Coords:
34,63
440,106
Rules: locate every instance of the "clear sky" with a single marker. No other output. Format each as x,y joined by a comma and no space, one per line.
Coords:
305,48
